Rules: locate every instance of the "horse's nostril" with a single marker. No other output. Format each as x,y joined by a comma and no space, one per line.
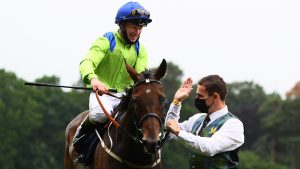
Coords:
159,142
144,141
151,146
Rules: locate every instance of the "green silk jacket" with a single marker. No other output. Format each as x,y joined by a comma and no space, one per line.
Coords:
109,66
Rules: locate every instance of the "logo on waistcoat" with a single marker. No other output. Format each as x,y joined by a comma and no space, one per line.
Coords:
213,130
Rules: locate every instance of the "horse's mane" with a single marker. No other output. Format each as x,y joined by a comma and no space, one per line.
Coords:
125,99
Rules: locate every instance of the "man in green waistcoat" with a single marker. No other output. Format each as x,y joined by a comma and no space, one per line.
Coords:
103,67
213,136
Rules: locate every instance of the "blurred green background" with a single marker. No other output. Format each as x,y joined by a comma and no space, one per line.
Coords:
33,122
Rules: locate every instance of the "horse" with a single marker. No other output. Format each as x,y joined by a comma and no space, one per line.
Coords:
138,141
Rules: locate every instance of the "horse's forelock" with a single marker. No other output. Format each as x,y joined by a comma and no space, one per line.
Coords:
146,74
123,105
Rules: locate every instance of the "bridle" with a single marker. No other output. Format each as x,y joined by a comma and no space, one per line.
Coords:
143,118
137,137
138,123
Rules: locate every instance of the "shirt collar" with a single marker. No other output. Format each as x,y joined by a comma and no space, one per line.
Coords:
218,114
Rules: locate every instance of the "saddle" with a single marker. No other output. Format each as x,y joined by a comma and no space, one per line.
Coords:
93,140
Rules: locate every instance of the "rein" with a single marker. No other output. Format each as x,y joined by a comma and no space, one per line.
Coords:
111,119
116,124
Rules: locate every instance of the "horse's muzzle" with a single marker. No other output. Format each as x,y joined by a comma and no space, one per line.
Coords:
151,146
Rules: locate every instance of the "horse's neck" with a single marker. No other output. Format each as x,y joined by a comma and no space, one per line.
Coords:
127,132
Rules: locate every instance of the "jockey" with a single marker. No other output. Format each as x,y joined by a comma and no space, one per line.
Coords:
103,67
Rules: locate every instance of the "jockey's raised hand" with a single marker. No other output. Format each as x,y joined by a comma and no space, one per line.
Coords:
97,85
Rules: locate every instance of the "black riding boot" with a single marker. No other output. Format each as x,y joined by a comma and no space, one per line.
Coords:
87,127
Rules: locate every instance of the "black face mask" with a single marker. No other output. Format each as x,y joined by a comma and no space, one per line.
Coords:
201,105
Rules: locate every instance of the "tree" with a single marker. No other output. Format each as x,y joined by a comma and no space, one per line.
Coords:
294,92
290,129
18,120
271,117
33,121
244,100
250,160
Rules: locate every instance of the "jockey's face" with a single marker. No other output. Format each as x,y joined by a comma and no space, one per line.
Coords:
133,31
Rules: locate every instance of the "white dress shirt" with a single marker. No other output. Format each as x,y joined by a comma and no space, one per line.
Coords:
229,137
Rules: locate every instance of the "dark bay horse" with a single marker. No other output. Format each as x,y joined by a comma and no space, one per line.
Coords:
137,142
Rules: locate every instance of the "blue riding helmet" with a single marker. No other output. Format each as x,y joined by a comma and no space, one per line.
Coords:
133,11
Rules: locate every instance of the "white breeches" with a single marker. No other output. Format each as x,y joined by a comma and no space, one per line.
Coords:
109,102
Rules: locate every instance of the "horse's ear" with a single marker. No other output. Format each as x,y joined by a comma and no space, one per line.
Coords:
161,70
132,72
